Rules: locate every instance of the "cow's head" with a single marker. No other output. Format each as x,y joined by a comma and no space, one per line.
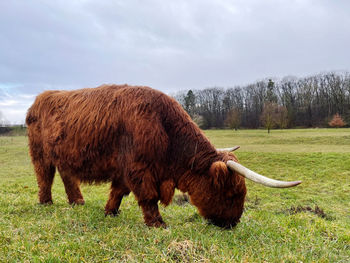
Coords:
220,197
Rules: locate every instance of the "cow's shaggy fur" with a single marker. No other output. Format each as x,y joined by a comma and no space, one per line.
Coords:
137,138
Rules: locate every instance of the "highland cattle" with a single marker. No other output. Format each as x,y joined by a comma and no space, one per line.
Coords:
141,141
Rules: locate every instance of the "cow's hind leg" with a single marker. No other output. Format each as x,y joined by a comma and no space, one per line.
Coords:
44,176
118,190
72,187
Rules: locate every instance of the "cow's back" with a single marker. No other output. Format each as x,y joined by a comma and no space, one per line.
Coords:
96,131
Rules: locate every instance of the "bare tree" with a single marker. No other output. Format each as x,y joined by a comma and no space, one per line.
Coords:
3,121
269,115
233,119
200,121
288,97
282,117
210,106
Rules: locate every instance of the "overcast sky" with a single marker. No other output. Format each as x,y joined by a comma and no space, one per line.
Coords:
168,45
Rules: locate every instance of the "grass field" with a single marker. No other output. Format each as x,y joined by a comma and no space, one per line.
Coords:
309,223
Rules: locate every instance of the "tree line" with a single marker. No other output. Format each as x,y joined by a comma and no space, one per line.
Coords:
282,103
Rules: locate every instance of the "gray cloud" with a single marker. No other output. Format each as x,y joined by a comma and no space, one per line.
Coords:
167,45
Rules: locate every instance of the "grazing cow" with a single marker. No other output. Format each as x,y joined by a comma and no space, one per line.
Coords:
140,140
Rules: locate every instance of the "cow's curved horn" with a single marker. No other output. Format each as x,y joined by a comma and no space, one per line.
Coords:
231,149
249,174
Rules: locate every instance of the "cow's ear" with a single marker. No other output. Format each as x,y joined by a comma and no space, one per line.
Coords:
218,172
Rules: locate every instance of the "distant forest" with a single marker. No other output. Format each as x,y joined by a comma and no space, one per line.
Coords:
291,102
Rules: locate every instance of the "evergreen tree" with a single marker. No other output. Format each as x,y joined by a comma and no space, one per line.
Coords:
190,102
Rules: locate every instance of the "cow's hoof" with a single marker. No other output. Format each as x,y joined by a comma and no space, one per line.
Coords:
77,202
46,202
113,212
157,224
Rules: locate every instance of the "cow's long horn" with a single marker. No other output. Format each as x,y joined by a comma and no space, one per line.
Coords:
231,149
249,174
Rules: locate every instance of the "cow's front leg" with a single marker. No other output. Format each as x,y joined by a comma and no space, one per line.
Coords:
118,190
143,184
151,213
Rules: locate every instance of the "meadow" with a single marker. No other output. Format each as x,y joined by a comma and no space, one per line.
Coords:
308,223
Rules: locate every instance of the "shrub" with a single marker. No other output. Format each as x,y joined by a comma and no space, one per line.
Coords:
337,121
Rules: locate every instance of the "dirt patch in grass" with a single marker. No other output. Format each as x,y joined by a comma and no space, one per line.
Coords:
252,203
317,211
185,251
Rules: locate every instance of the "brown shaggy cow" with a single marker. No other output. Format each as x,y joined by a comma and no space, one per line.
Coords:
140,140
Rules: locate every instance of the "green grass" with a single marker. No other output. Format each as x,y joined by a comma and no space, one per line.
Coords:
309,223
